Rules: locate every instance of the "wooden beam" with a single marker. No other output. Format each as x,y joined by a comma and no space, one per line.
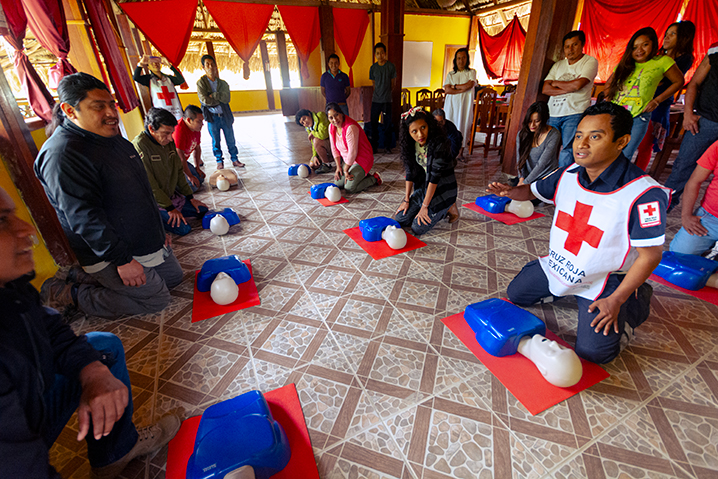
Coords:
267,74
392,35
326,28
210,47
283,59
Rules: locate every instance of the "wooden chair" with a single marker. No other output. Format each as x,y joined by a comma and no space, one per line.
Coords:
674,138
507,123
487,121
405,100
423,98
438,98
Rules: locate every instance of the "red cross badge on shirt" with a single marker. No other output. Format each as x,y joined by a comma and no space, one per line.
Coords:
649,214
578,229
166,95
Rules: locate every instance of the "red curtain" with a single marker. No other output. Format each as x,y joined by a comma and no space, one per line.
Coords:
242,24
303,27
46,19
609,24
170,42
40,99
704,13
501,53
108,45
349,29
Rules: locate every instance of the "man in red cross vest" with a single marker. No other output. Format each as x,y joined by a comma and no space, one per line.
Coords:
606,237
162,87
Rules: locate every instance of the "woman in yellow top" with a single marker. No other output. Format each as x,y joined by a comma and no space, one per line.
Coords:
635,79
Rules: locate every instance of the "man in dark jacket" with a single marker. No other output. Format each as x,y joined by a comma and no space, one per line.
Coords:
96,182
47,372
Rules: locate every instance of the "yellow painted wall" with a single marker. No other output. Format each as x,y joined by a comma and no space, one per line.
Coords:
364,60
244,100
133,122
45,266
315,68
39,136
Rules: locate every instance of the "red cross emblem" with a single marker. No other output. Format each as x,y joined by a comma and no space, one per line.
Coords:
649,210
166,95
578,229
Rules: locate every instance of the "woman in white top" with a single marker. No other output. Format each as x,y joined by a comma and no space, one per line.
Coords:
459,88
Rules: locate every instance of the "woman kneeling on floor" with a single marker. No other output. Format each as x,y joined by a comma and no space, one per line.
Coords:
429,168
352,152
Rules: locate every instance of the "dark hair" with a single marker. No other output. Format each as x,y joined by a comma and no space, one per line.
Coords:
333,55
333,106
72,90
621,119
300,114
192,111
468,59
156,117
627,64
437,144
686,34
207,57
439,112
526,136
379,45
576,33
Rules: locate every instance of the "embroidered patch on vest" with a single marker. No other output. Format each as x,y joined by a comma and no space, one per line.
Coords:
649,214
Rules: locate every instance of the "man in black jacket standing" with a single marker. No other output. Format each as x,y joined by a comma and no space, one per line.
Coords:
95,180
47,372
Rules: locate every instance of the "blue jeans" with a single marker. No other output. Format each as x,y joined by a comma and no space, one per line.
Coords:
194,173
567,126
217,125
684,242
409,218
691,150
531,285
640,127
188,211
63,399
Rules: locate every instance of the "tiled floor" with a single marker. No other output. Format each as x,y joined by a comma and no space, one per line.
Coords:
386,389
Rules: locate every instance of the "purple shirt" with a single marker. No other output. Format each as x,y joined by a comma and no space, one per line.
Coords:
334,86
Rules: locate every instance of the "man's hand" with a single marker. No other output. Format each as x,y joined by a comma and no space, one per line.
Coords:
608,314
132,273
499,189
194,180
693,225
196,203
104,399
200,172
690,122
176,218
145,61
310,136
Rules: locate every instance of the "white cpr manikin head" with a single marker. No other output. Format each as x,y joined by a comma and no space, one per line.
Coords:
522,209
559,365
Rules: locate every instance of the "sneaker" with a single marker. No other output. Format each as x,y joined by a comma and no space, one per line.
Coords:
237,164
713,252
151,439
56,294
379,181
324,168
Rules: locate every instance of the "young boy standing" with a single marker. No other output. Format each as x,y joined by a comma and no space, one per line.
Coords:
606,235
383,76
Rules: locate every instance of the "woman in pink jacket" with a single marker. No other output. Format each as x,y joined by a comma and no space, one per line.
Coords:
352,152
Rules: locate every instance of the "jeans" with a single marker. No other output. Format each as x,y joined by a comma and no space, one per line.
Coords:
409,218
691,150
63,399
361,180
684,242
376,110
188,211
194,173
217,125
111,299
531,284
567,126
640,127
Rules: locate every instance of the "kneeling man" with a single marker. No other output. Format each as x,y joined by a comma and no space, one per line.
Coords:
606,235
166,173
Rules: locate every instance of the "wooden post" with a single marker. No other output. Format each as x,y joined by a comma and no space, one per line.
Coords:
283,59
210,48
392,35
548,23
18,151
326,27
267,74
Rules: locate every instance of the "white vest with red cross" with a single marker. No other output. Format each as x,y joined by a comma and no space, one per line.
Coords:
590,236
164,96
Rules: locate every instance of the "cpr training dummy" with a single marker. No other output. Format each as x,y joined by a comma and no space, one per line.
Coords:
605,238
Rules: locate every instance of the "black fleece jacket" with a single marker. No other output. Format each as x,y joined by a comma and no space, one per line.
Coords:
34,346
101,194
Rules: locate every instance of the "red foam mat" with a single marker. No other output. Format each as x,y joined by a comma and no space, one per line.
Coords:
204,308
505,218
286,410
706,294
380,249
520,375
